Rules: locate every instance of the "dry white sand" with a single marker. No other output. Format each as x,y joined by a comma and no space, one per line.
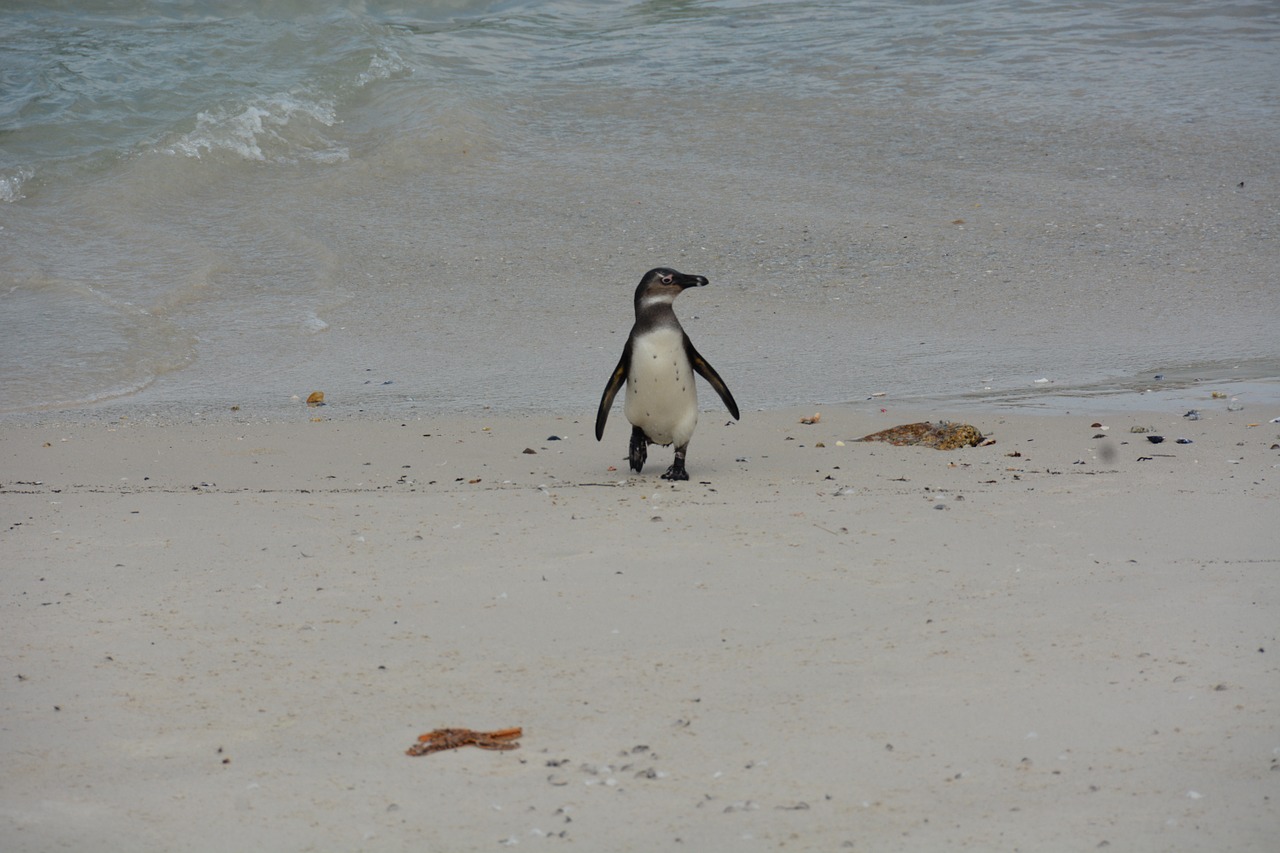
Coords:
224,636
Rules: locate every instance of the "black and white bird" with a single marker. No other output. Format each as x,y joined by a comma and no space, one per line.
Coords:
658,364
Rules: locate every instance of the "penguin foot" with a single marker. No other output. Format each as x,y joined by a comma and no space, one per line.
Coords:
639,449
676,471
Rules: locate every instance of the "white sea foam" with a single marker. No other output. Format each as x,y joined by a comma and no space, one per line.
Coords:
282,128
11,184
383,67
285,127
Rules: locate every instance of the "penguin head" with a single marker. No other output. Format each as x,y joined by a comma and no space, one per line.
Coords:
662,285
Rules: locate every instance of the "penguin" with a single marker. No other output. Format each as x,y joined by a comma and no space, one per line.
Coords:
658,363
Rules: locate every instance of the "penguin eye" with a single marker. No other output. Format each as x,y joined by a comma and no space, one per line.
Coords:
666,279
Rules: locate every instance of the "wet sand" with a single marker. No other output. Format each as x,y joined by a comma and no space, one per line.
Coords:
225,635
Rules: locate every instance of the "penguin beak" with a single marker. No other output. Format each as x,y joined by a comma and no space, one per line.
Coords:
691,281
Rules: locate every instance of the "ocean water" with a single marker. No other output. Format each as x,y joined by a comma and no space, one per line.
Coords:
445,206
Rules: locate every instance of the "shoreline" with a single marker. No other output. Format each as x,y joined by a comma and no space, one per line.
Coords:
233,631
1205,387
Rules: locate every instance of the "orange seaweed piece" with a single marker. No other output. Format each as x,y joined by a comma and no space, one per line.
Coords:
442,739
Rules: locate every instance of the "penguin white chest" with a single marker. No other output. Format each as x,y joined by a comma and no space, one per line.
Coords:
662,398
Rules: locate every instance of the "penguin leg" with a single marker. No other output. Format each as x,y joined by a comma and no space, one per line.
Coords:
676,471
639,448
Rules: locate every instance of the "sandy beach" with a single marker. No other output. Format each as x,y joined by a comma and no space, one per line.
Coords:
225,635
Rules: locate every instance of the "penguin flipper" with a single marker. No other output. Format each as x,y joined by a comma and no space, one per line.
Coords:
707,372
611,390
